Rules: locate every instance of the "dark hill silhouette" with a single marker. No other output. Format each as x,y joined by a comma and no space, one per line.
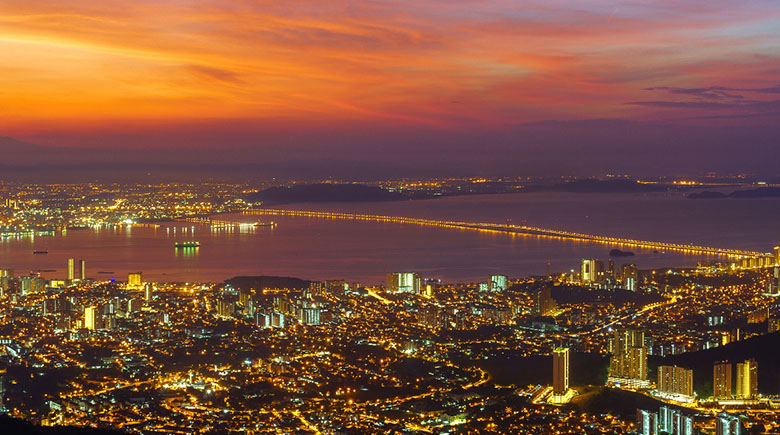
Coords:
761,192
267,282
11,146
326,193
14,426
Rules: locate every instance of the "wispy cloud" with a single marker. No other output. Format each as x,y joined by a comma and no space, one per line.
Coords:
309,61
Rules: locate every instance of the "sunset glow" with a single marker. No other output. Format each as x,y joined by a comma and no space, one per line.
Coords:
74,66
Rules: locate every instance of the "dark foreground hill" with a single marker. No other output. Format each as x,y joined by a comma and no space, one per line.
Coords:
13,426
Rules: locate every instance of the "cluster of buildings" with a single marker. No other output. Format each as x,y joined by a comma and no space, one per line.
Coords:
746,380
672,421
628,361
594,272
27,207
184,356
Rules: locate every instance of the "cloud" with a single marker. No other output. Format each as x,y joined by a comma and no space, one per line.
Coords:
741,108
307,62
716,92
220,75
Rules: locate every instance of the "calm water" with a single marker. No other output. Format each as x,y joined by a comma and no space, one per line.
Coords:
364,251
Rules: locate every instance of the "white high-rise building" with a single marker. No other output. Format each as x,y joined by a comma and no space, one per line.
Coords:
728,424
647,422
498,283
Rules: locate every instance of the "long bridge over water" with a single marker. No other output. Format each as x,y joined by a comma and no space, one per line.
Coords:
521,230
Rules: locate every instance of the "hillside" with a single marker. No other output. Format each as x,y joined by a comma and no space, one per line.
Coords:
267,282
13,426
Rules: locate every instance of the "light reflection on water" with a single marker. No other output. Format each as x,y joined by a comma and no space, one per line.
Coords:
364,251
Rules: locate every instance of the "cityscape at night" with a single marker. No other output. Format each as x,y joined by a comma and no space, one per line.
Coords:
396,217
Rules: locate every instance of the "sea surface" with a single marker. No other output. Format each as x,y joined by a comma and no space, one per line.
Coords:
364,251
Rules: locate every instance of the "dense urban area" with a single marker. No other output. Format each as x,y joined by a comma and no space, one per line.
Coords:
609,348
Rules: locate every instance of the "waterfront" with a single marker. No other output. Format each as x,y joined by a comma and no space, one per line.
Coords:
365,251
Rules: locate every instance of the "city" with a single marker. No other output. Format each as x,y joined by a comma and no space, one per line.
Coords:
389,217
505,355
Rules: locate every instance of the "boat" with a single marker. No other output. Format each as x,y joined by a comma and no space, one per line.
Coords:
189,244
265,224
38,252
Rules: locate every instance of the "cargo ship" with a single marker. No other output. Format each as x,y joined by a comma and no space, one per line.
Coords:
39,252
190,244
265,224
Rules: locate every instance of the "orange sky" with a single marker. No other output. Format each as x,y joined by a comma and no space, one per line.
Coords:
86,65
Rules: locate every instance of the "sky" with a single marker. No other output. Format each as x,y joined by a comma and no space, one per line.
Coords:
499,84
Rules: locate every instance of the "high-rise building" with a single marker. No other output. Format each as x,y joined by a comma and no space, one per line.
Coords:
134,305
544,304
263,320
774,282
498,283
82,270
71,270
32,284
673,422
676,381
6,280
560,370
728,424
646,422
315,288
277,320
747,379
225,308
592,271
135,280
628,364
629,275
777,255
148,292
308,316
404,282
721,380
90,317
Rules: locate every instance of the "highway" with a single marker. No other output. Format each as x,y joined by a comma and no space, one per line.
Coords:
521,230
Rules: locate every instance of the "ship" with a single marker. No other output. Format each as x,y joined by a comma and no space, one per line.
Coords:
265,224
189,244
40,252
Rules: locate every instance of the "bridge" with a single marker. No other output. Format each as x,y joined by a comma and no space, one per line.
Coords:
218,223
521,230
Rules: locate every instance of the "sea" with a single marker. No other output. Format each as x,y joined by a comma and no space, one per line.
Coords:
365,251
